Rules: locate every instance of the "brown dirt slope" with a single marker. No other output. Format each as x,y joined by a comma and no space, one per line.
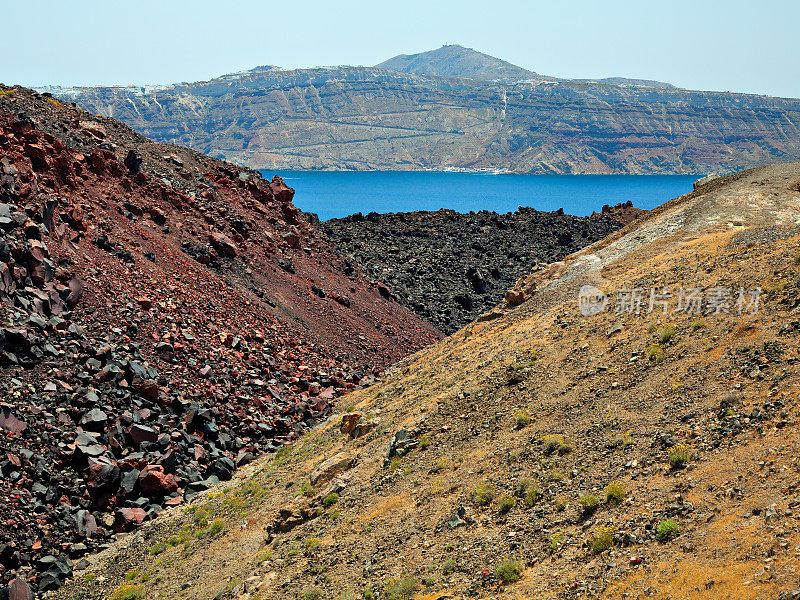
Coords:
538,453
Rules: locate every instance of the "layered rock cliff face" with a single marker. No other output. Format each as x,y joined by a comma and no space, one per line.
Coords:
374,118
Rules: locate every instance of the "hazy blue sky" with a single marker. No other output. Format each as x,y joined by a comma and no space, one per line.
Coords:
733,45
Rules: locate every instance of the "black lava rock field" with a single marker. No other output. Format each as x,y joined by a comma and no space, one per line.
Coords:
450,267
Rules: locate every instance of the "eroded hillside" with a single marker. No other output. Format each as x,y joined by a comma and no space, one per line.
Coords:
540,453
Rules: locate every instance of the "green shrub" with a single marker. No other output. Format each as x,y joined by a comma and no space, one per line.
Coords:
402,588
127,592
424,442
698,324
308,490
615,492
449,567
508,571
505,504
601,539
311,545
483,494
532,494
552,442
666,334
555,442
368,594
589,502
561,502
622,440
655,352
680,455
330,499
556,539
668,529
312,593
201,517
131,575
522,418
217,526
157,548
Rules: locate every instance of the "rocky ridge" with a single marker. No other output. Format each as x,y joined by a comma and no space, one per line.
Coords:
165,318
540,453
450,267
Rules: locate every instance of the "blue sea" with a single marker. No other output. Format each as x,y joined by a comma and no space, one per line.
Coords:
333,194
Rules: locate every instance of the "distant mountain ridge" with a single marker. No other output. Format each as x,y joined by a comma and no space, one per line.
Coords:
455,108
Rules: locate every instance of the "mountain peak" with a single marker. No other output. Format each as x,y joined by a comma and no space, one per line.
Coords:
453,60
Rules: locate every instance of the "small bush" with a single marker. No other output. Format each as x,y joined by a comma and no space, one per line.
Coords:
127,592
532,494
216,527
556,540
483,494
668,529
552,442
622,440
131,575
368,594
679,456
505,504
655,352
312,593
698,324
157,548
449,567
330,499
201,517
428,582
311,546
522,418
615,492
667,333
402,588
555,442
589,502
508,571
561,503
308,490
424,442
601,539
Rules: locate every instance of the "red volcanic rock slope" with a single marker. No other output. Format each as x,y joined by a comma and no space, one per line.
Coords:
164,317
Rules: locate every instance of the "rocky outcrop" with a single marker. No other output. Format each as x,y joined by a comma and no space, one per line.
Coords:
375,118
450,267
150,341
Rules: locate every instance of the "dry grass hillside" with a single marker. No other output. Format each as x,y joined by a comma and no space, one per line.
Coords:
539,453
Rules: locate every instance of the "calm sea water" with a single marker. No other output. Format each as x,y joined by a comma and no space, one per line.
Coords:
337,194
